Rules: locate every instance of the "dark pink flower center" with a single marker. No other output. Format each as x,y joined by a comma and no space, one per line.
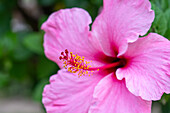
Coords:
77,64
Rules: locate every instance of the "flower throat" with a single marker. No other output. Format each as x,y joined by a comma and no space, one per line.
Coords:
77,64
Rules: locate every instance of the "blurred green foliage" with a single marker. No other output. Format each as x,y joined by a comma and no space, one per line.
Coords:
24,69
161,23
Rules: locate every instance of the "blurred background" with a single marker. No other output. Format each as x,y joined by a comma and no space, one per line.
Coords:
24,69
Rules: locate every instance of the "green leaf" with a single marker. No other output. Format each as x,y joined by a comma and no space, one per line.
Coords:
167,34
4,24
47,2
8,43
34,42
46,68
167,15
7,64
77,3
165,103
19,71
6,15
4,79
21,53
157,10
160,23
37,94
97,2
164,4
42,20
161,4
157,3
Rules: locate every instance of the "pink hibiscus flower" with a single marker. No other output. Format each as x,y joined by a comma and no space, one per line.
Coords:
127,72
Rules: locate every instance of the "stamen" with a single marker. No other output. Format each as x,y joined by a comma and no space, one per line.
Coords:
74,63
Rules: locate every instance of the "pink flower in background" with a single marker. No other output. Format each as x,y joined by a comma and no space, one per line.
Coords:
127,72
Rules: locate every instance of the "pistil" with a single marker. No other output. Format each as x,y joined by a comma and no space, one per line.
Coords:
108,66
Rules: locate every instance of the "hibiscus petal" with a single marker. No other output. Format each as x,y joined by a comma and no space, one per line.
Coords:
67,93
112,96
68,29
122,21
147,72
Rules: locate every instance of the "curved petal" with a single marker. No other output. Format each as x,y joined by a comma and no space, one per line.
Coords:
147,72
112,96
67,93
122,21
68,29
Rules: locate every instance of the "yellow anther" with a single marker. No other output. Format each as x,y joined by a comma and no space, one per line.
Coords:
87,62
86,72
75,64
